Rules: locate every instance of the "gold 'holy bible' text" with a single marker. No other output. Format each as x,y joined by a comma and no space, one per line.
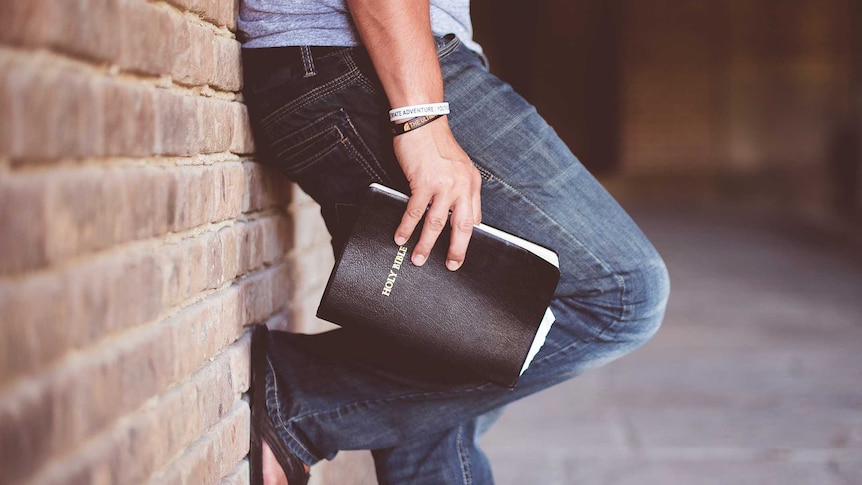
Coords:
393,271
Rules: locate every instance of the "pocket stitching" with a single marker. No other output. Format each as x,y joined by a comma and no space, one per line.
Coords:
310,97
339,121
299,135
370,169
311,160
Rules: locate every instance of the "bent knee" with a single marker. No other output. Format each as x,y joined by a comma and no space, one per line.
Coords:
647,288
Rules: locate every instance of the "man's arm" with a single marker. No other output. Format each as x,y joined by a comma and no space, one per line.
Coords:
398,37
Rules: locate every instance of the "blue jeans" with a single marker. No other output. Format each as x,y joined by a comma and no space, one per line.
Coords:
324,123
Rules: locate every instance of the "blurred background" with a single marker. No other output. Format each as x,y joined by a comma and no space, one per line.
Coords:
730,129
747,98
139,240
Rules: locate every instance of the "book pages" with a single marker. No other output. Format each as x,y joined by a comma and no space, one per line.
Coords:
539,340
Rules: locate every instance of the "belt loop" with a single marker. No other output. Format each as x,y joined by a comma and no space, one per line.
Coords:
307,60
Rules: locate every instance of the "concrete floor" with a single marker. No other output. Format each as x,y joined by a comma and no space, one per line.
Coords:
755,377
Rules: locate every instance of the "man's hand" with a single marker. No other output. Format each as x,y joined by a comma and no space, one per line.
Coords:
398,37
440,174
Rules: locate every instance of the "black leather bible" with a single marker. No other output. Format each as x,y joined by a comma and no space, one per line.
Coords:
488,318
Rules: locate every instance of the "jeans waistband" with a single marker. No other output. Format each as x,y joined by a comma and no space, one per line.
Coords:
287,54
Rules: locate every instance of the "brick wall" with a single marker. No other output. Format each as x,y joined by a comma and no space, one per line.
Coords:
137,243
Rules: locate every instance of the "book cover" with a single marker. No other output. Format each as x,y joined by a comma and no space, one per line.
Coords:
488,318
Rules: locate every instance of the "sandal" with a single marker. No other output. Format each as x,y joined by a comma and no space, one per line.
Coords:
261,425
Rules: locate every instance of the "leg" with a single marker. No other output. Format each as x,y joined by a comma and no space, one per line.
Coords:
430,461
327,392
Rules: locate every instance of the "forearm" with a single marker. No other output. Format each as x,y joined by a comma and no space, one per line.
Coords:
397,34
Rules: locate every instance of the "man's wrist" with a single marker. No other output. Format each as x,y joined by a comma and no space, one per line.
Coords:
417,110
413,124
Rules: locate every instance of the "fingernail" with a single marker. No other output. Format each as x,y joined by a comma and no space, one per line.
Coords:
400,240
418,260
453,265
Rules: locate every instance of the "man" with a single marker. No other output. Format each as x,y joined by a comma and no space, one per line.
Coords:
320,80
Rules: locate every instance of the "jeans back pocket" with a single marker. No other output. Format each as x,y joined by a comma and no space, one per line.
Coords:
333,137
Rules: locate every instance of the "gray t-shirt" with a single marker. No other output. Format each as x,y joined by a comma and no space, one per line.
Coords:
276,23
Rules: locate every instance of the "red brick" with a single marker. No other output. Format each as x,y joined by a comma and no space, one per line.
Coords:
23,210
204,330
96,299
95,115
9,128
88,115
94,208
228,13
216,126
137,35
71,116
261,242
59,124
228,72
113,294
25,421
264,293
226,185
88,28
29,108
176,124
219,12
82,116
220,258
266,188
242,142
21,20
148,439
188,125
159,40
129,118
201,263
151,37
193,62
102,296
214,455
36,333
88,392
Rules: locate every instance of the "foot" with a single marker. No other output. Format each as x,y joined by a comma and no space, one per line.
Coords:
272,472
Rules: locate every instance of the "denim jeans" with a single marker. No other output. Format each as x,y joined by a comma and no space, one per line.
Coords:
323,121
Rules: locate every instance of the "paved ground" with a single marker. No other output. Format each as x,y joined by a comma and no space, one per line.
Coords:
755,378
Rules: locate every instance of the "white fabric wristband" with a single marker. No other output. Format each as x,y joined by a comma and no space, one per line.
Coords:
418,110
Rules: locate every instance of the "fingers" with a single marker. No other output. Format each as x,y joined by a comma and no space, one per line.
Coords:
476,199
462,228
442,179
435,221
465,212
416,206
464,217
